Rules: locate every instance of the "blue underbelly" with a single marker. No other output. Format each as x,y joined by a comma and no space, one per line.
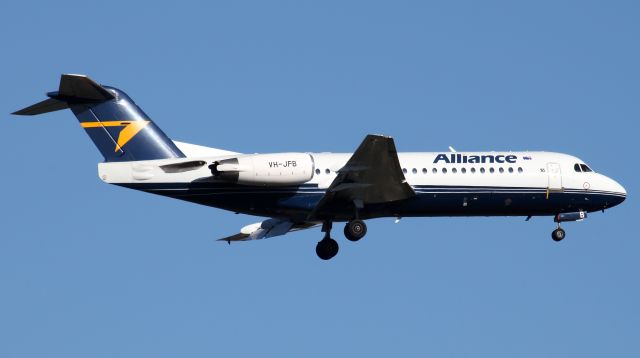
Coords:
298,202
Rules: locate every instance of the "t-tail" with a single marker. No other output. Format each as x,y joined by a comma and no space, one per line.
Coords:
117,126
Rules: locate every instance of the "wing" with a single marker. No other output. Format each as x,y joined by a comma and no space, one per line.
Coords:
266,229
372,175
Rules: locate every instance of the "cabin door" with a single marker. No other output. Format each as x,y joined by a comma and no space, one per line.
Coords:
555,176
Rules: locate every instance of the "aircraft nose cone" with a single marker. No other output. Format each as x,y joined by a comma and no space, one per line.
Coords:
618,190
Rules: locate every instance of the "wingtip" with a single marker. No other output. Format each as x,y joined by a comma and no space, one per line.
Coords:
74,75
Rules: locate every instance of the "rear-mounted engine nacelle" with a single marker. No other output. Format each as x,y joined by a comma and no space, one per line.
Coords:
265,169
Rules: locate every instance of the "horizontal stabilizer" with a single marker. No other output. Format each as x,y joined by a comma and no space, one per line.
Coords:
48,105
72,89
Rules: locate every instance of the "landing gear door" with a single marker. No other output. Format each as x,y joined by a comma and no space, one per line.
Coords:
555,176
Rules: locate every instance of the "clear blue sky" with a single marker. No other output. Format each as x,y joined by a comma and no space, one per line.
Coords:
91,270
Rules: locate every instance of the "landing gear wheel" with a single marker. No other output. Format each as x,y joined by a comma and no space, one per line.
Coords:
327,248
355,230
558,234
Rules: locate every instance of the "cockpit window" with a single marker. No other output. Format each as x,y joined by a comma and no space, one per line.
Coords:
585,168
576,167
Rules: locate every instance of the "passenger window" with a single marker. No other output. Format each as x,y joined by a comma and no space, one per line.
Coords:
482,170
424,171
510,170
576,167
463,170
434,170
317,171
519,169
473,170
501,170
327,171
414,170
444,170
454,170
404,170
491,170
585,168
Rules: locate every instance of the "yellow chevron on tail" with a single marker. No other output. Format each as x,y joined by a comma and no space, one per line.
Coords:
129,131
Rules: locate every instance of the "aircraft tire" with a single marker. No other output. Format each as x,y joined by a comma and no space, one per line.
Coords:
355,230
327,248
558,234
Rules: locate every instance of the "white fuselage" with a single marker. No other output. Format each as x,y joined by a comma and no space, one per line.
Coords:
539,171
450,184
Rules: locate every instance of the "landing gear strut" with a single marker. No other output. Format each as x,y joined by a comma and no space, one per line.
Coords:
327,248
355,230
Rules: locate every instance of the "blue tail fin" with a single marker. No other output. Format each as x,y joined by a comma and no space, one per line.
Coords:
117,126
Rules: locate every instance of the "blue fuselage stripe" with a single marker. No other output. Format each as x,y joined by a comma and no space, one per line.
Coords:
298,201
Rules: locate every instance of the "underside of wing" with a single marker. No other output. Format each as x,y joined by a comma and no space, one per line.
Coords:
371,176
268,228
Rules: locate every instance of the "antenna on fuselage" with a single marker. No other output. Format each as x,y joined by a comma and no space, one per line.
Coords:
451,149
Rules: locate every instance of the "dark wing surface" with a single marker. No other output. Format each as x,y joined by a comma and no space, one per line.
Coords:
371,176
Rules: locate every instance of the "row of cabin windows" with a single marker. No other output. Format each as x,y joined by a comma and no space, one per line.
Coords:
462,170
581,168
445,171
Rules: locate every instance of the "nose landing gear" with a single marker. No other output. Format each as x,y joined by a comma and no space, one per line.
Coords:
558,234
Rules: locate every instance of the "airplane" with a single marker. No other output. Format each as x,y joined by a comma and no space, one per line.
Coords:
298,191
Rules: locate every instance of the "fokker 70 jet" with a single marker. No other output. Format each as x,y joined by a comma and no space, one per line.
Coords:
298,191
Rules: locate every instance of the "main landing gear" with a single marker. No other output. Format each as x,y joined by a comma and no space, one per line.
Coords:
327,248
355,230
